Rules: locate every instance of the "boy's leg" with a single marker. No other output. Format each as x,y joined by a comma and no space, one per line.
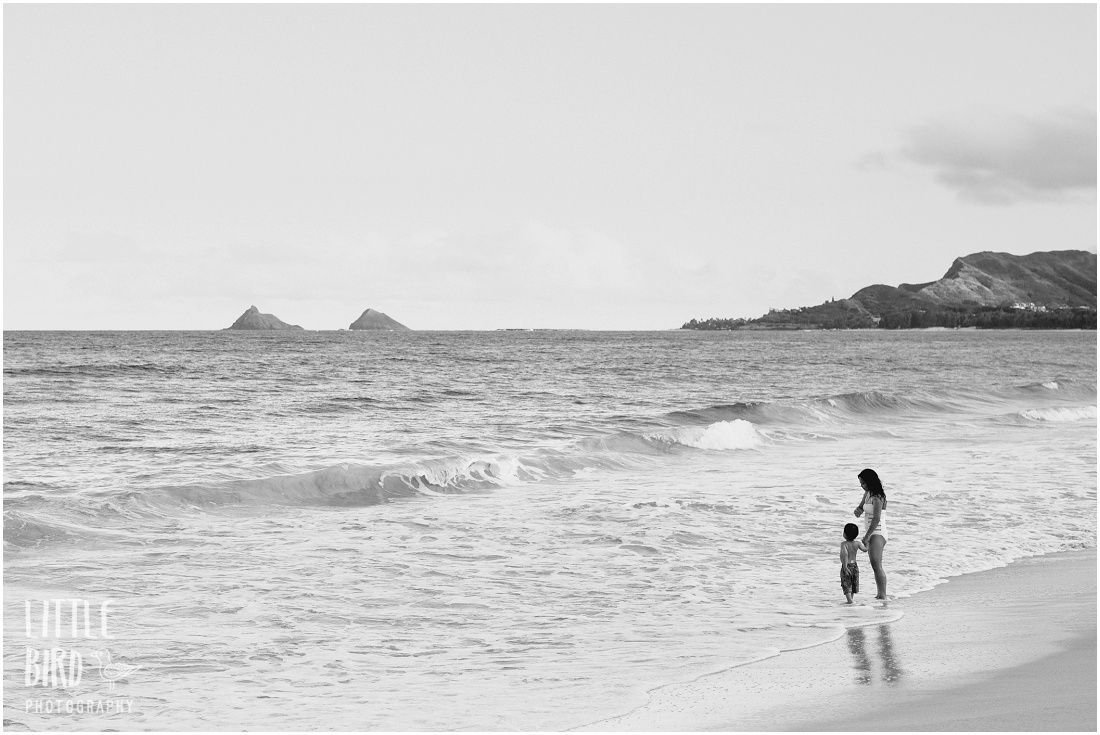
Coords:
846,582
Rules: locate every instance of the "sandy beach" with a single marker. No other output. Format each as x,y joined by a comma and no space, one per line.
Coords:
1007,649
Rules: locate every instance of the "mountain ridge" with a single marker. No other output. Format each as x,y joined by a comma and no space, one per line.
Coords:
1041,290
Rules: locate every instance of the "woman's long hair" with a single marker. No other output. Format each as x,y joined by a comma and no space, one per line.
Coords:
874,485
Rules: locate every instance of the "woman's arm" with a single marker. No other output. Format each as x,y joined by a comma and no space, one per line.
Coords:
859,508
876,503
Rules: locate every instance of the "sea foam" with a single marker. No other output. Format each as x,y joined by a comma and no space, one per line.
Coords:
736,434
1060,414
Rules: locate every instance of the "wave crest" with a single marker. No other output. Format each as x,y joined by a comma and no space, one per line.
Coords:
357,485
1060,414
723,435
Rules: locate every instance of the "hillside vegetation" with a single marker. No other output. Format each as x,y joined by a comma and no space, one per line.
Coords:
1049,290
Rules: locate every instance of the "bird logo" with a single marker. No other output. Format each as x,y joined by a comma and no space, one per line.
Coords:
110,672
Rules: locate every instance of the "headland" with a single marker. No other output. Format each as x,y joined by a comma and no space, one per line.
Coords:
1044,290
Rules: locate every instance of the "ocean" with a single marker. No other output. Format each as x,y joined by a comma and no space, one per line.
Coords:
495,530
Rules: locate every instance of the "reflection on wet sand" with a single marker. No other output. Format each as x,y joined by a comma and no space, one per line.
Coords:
865,653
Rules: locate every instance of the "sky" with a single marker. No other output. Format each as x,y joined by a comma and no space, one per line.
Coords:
528,166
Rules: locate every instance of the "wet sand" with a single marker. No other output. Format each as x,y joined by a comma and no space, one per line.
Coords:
1006,649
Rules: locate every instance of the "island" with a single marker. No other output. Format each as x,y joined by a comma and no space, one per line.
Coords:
253,319
987,290
376,320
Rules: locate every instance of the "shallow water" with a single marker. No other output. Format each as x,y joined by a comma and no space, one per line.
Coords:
343,530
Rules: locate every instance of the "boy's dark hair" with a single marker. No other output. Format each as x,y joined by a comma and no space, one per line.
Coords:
851,530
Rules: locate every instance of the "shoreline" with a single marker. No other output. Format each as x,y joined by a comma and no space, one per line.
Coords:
889,329
1011,648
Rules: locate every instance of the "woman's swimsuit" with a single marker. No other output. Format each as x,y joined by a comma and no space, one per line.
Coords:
869,515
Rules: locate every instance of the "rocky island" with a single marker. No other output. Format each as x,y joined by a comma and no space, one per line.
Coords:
376,320
1048,290
253,319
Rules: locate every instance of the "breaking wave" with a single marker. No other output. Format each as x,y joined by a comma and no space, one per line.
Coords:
1060,414
736,434
871,404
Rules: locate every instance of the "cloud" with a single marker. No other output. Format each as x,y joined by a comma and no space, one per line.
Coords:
1000,161
582,260
102,247
532,274
873,161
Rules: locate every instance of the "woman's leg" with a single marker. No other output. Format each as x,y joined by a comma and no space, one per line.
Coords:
874,550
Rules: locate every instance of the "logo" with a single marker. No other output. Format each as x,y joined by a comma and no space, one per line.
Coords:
110,672
55,629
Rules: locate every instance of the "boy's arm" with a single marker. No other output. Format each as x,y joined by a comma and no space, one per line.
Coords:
861,545
843,555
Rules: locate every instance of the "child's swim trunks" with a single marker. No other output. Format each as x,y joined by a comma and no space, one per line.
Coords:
849,578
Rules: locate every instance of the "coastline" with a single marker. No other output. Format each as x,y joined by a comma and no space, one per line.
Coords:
1012,648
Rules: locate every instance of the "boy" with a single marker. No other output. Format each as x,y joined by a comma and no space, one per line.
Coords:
849,572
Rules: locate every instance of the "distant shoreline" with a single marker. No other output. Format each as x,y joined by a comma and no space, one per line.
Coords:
987,290
498,330
793,328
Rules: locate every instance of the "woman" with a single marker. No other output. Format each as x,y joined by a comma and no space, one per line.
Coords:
874,537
